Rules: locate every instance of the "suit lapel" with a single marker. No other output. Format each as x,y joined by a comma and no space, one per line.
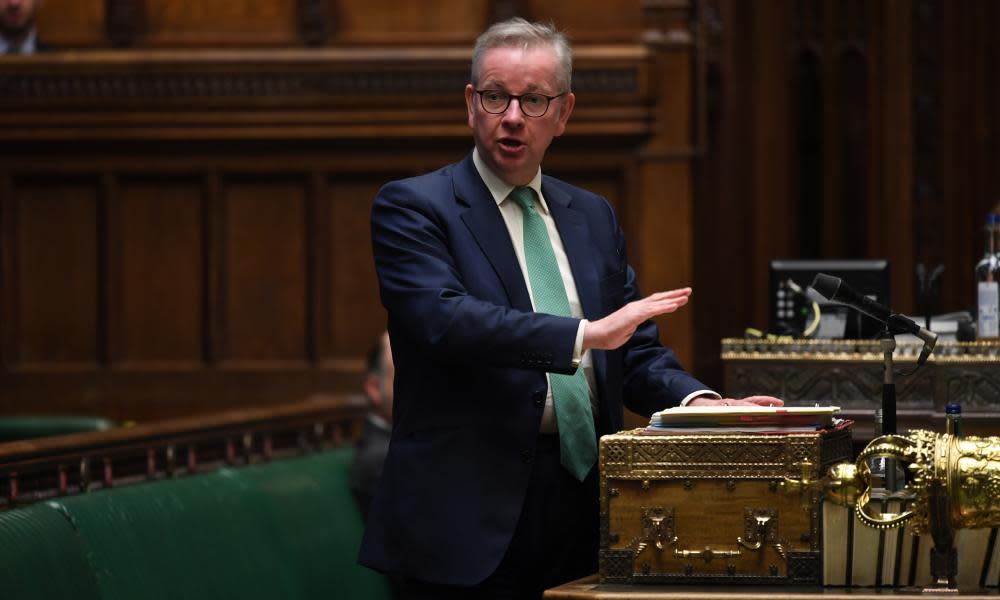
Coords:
575,235
486,225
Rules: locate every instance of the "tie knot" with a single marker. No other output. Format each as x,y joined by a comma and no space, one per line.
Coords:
525,197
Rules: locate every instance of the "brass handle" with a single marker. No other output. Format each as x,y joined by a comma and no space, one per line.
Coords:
761,521
708,554
659,536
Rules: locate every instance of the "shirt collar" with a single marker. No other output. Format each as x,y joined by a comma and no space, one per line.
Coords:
379,422
27,45
499,188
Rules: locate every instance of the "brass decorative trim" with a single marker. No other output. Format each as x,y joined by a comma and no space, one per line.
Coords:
715,456
946,352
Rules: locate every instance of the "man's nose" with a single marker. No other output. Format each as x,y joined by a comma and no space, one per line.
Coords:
513,115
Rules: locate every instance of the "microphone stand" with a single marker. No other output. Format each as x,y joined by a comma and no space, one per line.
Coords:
887,343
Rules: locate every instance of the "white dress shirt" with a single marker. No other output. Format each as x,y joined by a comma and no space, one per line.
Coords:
513,217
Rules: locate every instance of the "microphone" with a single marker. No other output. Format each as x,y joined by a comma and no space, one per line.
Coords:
835,290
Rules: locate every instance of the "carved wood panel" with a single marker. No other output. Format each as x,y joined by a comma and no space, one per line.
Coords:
157,305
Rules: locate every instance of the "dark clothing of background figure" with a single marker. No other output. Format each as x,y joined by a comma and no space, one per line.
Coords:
471,358
369,456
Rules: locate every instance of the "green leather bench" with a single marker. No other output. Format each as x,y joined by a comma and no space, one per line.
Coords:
36,426
285,529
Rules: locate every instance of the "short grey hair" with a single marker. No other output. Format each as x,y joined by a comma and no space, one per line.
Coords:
518,33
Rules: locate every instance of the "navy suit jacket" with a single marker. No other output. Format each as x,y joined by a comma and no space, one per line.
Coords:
471,357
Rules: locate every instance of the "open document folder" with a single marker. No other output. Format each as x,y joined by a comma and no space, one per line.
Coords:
745,418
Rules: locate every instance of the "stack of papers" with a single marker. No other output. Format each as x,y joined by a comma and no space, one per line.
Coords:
689,419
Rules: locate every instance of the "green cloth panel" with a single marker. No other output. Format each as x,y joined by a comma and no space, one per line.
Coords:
286,529
36,426
316,522
193,537
42,557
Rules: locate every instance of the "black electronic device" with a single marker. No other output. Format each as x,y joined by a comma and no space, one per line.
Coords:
791,310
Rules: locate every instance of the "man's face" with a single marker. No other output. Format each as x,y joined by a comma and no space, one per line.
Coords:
511,143
17,16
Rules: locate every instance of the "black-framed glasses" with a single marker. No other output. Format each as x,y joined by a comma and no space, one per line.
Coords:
532,105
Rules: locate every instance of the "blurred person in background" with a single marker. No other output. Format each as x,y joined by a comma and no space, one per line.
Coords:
374,442
18,34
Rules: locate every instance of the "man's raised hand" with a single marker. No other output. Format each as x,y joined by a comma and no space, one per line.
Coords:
614,330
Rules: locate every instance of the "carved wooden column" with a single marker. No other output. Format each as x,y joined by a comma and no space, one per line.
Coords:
662,249
126,21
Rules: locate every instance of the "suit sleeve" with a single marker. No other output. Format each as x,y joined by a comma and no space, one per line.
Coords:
422,288
653,377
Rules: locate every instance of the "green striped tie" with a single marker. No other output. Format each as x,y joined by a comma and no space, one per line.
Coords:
570,395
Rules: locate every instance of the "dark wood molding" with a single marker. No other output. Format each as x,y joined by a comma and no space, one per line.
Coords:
37,469
316,94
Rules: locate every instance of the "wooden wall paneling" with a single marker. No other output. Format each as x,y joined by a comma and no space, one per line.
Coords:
357,317
967,123
126,21
214,261
161,287
723,211
173,23
593,21
776,228
318,240
809,127
663,243
891,232
425,22
265,269
848,160
940,212
109,338
56,272
73,23
8,271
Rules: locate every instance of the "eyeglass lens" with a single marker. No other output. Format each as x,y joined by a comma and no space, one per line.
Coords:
496,102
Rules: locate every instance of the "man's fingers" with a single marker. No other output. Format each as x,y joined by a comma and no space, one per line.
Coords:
660,307
678,293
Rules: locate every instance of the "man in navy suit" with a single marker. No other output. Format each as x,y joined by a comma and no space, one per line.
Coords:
474,501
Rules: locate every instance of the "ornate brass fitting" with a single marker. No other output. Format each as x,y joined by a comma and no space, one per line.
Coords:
964,470
806,487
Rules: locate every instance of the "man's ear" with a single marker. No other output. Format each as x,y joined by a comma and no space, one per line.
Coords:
372,389
565,110
470,98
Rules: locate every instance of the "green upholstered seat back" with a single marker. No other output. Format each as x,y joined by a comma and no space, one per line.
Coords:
286,529
316,523
41,557
194,537
26,427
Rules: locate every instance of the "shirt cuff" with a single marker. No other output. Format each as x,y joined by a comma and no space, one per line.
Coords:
578,345
694,395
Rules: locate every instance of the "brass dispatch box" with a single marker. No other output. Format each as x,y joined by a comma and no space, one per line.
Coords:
715,507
